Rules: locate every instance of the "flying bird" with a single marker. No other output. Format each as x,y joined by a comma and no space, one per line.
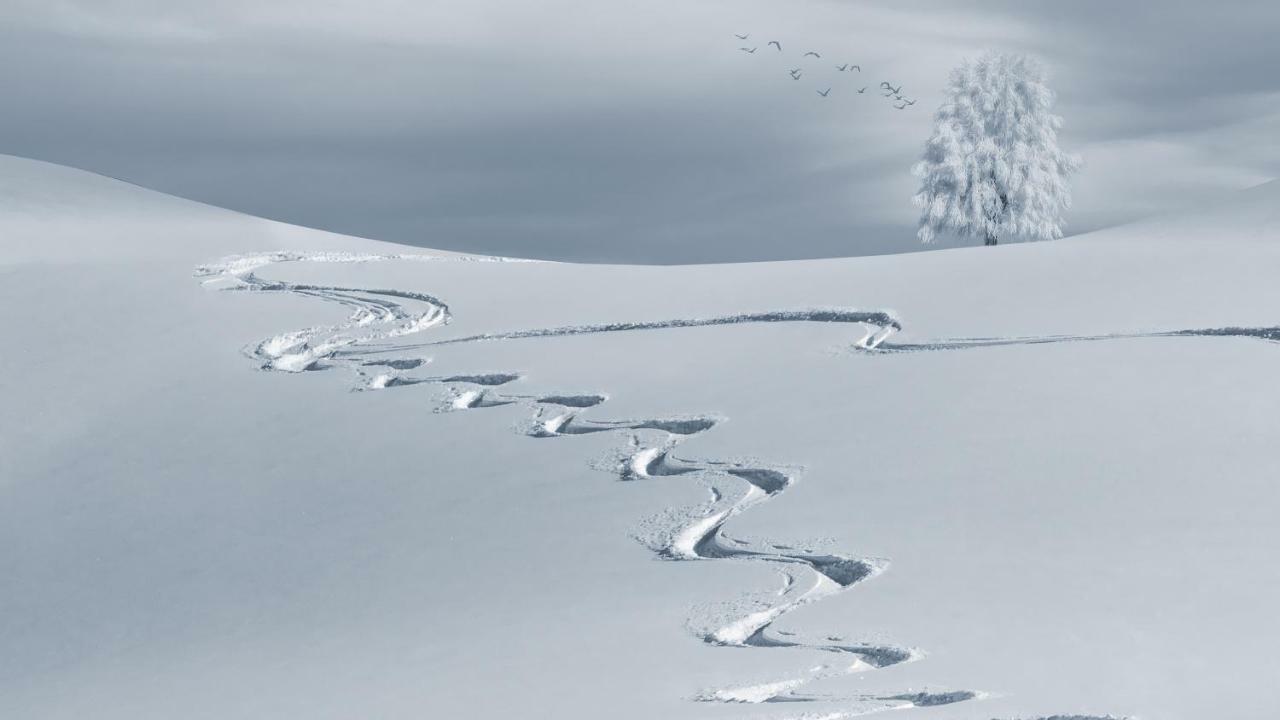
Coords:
776,44
900,106
908,102
856,67
862,91
842,68
747,50
742,37
824,93
795,74
813,54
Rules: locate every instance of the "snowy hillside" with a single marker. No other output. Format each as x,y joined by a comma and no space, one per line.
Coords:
250,470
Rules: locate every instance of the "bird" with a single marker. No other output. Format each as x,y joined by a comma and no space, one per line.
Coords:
862,90
795,74
824,93
742,37
908,102
776,44
856,67
842,68
813,54
885,84
747,50
894,90
901,106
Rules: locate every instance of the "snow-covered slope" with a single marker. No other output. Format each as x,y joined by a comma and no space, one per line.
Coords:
256,471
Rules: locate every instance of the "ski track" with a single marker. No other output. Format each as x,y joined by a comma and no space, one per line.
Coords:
733,486
1267,334
884,324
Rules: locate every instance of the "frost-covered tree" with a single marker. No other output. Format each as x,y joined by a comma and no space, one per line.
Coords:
993,167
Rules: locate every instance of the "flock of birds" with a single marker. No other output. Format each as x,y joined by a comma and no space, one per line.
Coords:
887,89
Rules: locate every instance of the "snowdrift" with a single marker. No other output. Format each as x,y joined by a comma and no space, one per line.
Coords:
251,470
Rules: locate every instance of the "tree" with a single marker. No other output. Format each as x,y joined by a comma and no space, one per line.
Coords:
993,167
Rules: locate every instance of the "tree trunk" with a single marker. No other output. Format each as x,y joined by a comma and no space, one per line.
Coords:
997,216
1004,210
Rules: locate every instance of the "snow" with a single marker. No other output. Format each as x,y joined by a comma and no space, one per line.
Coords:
1064,450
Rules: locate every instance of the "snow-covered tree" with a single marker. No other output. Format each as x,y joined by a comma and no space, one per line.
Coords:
993,167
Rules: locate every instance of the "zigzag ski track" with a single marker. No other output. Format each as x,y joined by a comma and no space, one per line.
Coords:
702,534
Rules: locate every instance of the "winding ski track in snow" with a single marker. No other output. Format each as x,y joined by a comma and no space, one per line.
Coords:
1268,334
884,325
694,534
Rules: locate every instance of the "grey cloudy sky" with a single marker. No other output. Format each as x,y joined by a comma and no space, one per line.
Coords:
616,130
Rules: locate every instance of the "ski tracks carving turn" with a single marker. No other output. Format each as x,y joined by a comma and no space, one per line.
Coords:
380,316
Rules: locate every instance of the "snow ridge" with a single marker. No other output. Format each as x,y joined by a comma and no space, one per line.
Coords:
1267,334
375,314
884,324
695,535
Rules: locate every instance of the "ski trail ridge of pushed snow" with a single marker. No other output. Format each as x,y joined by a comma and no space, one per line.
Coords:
734,486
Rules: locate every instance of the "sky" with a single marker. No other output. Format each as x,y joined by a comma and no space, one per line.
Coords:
616,131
